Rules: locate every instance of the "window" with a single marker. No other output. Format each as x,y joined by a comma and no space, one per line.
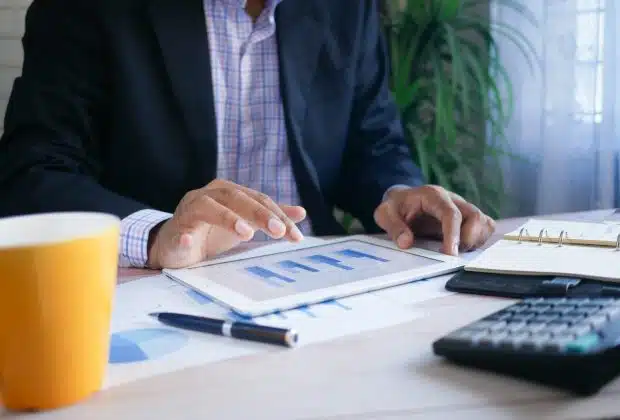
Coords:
589,59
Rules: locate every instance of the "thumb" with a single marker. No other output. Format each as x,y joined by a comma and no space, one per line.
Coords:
388,219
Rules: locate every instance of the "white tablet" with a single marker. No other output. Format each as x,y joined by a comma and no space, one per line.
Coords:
278,281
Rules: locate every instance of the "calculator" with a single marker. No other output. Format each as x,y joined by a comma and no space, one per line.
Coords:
570,343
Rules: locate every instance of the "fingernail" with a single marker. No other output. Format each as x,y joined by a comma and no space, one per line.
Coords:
243,228
185,240
296,234
402,240
455,249
276,227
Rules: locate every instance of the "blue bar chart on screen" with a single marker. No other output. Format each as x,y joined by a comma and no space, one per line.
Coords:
268,276
294,267
320,263
271,282
357,254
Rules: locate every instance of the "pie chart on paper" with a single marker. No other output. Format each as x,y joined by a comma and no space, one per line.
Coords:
140,345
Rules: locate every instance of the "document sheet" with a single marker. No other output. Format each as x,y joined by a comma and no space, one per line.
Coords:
142,347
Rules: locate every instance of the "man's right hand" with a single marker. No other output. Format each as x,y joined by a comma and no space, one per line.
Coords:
216,218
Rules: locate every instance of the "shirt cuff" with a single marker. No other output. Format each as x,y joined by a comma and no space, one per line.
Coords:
134,238
394,187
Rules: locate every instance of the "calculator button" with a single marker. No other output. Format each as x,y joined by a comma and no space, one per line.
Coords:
590,306
536,326
516,326
583,344
531,301
498,316
586,311
519,308
579,301
576,314
491,339
513,341
570,319
477,337
557,343
536,341
463,337
545,318
598,321
498,326
565,336
564,307
604,301
612,312
554,301
580,329
481,325
556,328
552,313
521,318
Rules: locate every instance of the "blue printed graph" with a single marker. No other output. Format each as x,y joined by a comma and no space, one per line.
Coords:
140,345
199,298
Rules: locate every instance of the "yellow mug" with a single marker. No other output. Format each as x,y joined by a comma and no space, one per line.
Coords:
57,279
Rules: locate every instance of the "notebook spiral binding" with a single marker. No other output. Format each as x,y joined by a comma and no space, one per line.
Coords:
563,236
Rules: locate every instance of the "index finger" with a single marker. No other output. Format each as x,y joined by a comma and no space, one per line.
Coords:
292,231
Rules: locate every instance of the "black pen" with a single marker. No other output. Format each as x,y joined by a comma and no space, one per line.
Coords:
236,329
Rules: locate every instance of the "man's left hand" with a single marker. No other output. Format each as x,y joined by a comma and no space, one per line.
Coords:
432,211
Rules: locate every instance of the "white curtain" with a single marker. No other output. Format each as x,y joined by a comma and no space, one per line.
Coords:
566,121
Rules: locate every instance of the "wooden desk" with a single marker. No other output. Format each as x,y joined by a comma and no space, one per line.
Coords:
385,374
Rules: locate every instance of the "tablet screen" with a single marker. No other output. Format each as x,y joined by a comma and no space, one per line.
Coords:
304,270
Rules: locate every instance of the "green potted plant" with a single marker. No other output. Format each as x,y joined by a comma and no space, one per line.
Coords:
453,93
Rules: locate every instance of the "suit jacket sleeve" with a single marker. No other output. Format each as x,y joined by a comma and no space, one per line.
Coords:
49,153
377,156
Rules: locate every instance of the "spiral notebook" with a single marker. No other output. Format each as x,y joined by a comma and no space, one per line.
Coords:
555,247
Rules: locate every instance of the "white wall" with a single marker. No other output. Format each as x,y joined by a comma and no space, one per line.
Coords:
12,15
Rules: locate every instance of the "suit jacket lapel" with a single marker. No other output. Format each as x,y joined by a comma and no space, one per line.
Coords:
301,40
182,35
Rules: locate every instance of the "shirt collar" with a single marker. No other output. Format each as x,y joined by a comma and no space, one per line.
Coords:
270,5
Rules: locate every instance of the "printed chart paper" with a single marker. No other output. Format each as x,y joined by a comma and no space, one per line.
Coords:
142,347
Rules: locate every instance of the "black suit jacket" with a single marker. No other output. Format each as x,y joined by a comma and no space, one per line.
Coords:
114,112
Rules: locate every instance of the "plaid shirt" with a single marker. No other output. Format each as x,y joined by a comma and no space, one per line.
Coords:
251,133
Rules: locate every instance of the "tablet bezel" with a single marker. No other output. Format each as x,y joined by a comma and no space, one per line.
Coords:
247,307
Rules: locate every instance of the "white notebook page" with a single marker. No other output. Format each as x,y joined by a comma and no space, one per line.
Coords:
511,257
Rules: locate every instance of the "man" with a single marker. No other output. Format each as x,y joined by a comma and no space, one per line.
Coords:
205,123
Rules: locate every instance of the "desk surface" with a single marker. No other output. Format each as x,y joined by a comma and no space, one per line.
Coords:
384,374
